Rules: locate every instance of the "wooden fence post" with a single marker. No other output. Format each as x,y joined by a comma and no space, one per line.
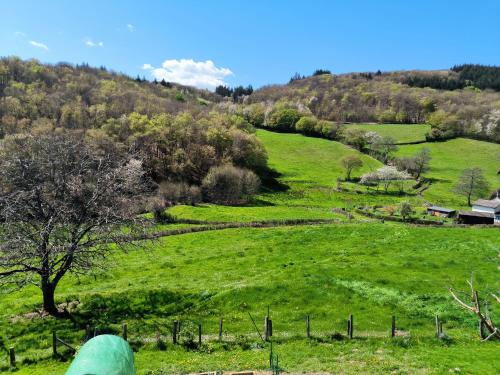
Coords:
393,326
54,343
124,331
88,332
12,357
350,326
308,327
266,328
199,334
270,327
437,325
174,332
220,329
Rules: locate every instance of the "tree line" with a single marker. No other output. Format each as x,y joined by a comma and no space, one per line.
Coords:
466,75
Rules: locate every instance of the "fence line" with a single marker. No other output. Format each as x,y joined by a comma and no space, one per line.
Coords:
221,336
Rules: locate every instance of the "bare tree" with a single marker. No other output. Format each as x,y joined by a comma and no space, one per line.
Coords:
62,202
474,306
472,183
422,160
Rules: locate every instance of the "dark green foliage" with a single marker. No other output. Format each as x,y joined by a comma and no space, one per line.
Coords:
319,72
480,76
235,93
223,90
296,77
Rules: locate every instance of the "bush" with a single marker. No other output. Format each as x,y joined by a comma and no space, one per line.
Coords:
228,185
283,118
255,114
172,193
355,137
306,125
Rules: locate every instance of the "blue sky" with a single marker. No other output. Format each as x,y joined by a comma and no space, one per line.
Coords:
252,42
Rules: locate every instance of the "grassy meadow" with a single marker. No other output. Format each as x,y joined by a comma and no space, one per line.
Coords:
365,268
310,168
326,272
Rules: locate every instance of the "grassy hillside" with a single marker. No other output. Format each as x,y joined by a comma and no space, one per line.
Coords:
326,272
449,159
401,133
309,167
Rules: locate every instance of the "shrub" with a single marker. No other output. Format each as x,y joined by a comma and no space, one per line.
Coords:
355,137
228,185
306,125
255,114
172,193
405,210
283,118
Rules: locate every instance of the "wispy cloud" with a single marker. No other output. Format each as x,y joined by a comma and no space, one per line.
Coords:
130,27
39,45
20,34
202,74
90,43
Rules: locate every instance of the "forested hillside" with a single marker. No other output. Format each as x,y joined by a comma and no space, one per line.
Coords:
170,127
458,102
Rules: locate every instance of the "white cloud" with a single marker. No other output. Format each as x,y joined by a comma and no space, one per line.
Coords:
39,45
20,34
130,27
202,74
89,43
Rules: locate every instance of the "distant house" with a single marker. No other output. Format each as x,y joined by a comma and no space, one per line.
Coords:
483,212
440,211
491,206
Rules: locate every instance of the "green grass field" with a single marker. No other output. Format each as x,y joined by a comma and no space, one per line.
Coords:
310,167
449,159
369,269
401,133
327,272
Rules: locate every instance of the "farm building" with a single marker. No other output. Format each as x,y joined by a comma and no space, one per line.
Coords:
490,206
484,211
475,217
440,211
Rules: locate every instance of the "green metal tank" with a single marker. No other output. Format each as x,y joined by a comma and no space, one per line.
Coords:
104,355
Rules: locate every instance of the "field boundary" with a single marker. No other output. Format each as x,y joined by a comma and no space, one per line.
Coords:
232,225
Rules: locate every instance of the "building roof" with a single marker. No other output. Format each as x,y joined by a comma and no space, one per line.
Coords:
494,203
441,209
476,214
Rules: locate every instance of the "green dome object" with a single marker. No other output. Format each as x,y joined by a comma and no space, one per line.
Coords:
104,355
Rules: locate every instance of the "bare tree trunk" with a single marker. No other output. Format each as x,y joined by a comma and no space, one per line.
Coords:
485,321
48,292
